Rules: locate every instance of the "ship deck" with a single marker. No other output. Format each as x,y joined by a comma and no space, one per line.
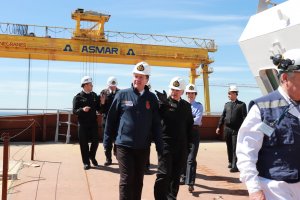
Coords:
57,173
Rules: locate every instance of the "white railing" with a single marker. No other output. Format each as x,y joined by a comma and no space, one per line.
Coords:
59,123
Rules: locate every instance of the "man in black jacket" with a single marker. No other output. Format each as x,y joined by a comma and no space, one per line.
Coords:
85,105
178,121
233,115
106,98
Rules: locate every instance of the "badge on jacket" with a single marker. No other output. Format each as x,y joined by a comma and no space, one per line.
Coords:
266,129
128,103
148,105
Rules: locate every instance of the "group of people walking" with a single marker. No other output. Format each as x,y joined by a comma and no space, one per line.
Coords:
132,119
262,144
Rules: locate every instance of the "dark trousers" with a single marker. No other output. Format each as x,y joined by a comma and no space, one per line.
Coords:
191,165
88,134
131,164
108,150
170,165
148,161
231,140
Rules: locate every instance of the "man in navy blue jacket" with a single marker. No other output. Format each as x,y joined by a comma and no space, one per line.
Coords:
134,116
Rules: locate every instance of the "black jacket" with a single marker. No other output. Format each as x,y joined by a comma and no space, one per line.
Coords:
233,115
81,100
177,122
108,101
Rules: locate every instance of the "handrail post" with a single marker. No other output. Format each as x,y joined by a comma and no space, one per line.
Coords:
69,128
57,126
32,139
6,138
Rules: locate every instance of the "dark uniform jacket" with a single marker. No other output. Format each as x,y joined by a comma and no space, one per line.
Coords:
233,115
108,101
135,118
177,121
81,100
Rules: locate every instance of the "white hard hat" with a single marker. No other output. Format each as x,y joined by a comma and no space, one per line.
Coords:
190,88
86,79
142,68
177,83
233,88
293,56
112,81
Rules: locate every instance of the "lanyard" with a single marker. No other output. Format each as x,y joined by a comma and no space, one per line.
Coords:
278,120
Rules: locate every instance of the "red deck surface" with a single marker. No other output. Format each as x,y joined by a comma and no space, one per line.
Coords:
60,175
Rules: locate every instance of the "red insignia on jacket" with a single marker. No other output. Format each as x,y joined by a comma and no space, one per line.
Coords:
148,105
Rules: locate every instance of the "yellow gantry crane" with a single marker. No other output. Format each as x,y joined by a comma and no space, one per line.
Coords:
94,44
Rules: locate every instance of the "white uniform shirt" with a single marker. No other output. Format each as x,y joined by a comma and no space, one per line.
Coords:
249,142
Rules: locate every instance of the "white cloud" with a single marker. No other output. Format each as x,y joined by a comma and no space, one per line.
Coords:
186,15
230,69
224,34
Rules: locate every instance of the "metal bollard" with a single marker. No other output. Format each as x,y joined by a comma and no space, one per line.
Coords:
32,140
6,138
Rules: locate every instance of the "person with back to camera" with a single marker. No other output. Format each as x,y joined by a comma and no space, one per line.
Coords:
106,98
178,122
85,105
134,116
233,116
189,171
268,143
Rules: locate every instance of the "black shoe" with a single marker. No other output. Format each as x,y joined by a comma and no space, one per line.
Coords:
191,188
86,167
95,163
229,165
234,169
107,163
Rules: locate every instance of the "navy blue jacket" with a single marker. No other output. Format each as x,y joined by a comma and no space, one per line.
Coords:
278,157
136,120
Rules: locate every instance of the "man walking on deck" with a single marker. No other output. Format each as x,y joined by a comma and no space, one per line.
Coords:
233,116
189,171
106,98
178,121
134,116
85,105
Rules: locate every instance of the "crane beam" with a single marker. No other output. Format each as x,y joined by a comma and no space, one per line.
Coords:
40,48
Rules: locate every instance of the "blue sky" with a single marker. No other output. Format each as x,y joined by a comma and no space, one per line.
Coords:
53,84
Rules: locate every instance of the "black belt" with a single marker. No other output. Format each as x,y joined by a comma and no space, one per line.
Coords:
196,126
